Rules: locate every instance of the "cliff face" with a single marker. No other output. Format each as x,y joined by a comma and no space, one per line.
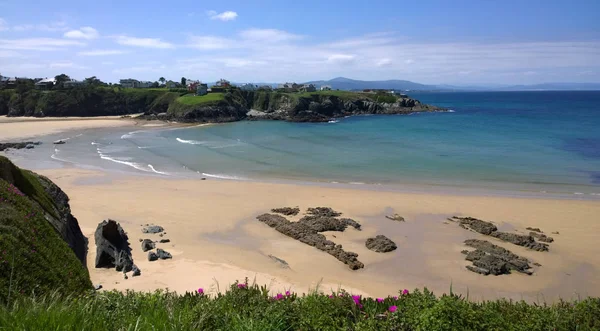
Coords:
42,248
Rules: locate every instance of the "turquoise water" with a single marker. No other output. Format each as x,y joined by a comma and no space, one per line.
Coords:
531,141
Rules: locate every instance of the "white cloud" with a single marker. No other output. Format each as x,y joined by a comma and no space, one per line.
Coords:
210,43
341,58
9,53
268,35
52,27
3,25
65,64
107,63
85,32
144,42
140,69
224,16
102,52
409,61
38,44
383,62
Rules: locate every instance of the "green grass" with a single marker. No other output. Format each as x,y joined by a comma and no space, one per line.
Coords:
33,257
254,308
193,100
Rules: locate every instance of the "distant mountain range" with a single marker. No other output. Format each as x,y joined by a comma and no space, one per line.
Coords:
343,83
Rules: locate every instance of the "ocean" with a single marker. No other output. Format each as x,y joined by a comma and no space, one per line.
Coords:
539,142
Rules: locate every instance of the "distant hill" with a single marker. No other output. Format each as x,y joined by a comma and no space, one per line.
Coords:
341,83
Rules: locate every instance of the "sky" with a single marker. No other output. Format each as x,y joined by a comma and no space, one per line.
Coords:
459,42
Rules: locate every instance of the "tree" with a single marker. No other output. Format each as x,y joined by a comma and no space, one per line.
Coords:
183,81
154,85
162,80
61,79
93,81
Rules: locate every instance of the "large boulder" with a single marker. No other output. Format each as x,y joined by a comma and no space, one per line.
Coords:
112,247
494,259
381,244
148,244
475,224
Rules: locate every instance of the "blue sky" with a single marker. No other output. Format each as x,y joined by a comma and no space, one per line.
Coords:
459,42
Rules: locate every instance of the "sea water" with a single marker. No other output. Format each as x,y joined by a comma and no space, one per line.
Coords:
545,142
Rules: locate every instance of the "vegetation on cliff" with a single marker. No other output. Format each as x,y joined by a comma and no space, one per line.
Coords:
249,307
34,259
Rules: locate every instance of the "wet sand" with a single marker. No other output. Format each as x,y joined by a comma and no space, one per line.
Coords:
216,239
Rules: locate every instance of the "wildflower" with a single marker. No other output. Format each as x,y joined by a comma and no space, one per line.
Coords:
405,292
356,299
279,296
201,291
242,285
380,300
392,309
395,298
331,296
287,293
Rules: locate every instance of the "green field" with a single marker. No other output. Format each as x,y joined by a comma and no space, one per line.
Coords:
193,100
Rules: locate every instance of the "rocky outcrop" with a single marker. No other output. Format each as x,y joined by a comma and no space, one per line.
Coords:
162,254
541,237
19,145
381,244
287,211
488,258
307,231
112,247
475,224
489,229
521,240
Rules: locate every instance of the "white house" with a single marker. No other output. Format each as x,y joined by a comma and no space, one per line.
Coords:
45,84
326,88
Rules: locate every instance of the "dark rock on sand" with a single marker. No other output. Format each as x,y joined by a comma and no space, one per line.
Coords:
521,240
327,223
279,261
541,237
534,229
475,224
112,247
494,259
147,245
395,217
152,256
287,211
381,244
136,271
323,211
162,254
153,229
306,232
19,145
162,241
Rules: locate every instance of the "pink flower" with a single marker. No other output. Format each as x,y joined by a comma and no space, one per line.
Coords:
287,293
395,298
279,296
356,299
201,291
380,300
241,285
331,296
405,292
392,309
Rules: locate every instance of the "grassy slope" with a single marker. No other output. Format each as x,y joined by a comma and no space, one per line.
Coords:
252,308
33,257
190,99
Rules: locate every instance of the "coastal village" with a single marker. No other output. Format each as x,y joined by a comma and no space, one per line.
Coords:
193,86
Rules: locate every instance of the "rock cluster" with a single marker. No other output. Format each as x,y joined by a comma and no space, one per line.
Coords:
112,247
19,145
307,231
541,237
152,229
488,258
381,244
287,211
489,229
148,244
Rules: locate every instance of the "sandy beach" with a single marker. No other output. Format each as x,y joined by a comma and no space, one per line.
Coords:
12,128
215,238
